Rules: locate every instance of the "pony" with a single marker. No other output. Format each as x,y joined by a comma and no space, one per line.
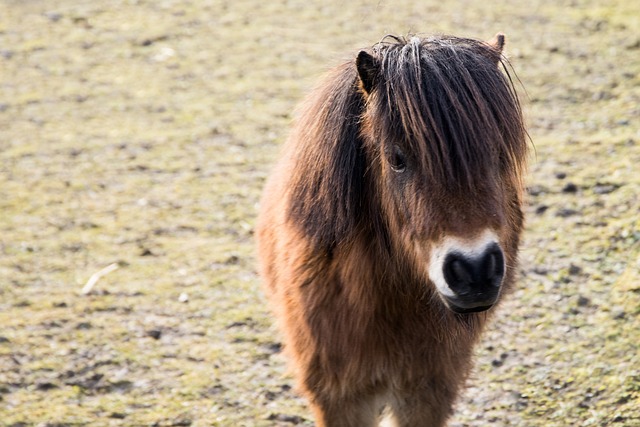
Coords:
389,229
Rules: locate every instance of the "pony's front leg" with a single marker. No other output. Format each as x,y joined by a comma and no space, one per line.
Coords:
349,412
426,408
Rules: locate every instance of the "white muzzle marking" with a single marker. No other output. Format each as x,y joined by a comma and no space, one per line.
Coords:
471,248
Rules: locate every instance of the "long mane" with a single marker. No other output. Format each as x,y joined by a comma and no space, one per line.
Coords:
445,97
327,179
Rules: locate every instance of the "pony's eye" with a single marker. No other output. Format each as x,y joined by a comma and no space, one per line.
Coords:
397,159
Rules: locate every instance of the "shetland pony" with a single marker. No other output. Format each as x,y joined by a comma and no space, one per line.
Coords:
389,229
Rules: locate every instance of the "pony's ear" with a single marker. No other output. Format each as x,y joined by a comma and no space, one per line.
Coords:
497,43
368,70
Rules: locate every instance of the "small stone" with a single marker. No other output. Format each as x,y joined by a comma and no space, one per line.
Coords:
232,260
147,252
53,16
574,269
270,395
181,422
216,389
541,209
183,297
561,175
274,347
583,301
118,415
540,270
618,419
84,325
619,314
605,188
293,419
565,212
154,333
570,187
536,190
236,324
46,386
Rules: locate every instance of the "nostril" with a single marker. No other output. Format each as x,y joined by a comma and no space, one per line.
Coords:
458,271
493,266
459,274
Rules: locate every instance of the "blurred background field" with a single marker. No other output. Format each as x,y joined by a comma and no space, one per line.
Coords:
139,133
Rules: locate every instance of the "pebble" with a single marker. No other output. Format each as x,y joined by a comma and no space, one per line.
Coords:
570,187
604,188
536,190
154,333
619,314
583,301
574,269
293,419
84,325
565,212
541,209
53,16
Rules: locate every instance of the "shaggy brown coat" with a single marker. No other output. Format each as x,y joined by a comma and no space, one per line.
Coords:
343,236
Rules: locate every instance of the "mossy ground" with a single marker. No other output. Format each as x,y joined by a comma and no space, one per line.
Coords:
141,132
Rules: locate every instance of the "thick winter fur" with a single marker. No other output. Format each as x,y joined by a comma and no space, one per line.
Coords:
413,141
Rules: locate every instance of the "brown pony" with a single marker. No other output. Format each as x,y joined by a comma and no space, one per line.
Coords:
389,230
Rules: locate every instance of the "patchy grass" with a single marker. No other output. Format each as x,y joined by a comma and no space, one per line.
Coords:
141,132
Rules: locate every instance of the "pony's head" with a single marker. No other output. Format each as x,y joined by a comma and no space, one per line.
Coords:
444,137
418,145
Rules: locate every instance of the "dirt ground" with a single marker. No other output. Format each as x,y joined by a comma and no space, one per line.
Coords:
139,133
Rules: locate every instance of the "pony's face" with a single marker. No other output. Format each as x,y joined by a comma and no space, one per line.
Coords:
459,239
448,182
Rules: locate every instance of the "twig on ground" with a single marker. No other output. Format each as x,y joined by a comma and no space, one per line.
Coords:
86,290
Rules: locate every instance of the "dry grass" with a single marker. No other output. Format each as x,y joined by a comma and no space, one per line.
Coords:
140,133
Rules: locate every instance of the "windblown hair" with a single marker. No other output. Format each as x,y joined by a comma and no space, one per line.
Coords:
443,97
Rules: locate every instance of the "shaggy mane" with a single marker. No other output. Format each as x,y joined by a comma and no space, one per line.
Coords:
444,97
449,101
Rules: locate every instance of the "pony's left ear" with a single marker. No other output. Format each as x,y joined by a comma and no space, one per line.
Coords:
368,70
497,43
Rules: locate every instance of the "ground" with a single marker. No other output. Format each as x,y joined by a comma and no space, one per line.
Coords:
139,133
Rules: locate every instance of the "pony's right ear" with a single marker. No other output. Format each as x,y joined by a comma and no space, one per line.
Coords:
368,70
